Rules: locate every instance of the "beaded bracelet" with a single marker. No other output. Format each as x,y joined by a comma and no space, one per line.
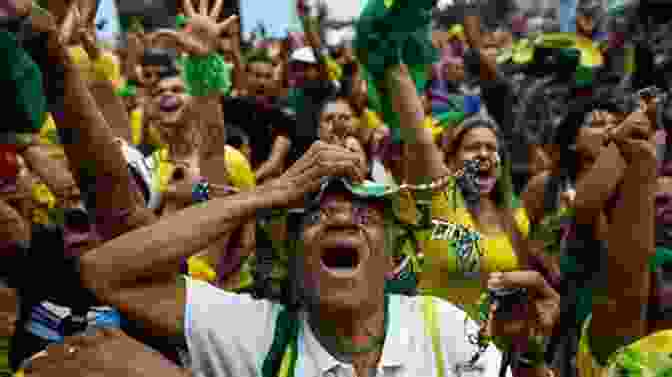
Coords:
201,191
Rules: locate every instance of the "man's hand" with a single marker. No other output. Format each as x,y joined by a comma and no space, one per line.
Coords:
202,33
320,161
106,353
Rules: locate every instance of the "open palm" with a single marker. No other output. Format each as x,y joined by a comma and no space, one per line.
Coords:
202,32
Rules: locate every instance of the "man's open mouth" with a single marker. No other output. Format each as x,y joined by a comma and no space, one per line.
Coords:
170,104
342,260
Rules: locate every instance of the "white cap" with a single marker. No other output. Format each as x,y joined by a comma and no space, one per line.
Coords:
304,55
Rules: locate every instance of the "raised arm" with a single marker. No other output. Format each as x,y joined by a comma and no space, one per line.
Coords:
420,149
103,178
631,244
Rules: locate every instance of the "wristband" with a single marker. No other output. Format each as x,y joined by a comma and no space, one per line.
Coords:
201,192
205,75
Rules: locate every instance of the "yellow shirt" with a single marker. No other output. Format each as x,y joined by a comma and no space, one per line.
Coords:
370,119
458,278
106,67
138,134
591,56
432,124
651,356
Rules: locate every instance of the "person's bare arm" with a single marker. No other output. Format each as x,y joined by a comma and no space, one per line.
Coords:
631,244
472,31
276,161
239,77
595,188
141,265
533,197
136,271
84,133
422,151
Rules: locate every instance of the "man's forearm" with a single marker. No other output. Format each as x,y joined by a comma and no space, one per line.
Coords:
156,249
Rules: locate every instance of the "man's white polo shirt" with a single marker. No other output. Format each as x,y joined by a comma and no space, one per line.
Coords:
230,335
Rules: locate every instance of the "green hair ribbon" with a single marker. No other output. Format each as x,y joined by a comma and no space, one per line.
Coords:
204,75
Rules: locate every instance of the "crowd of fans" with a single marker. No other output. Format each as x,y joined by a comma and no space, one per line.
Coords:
474,201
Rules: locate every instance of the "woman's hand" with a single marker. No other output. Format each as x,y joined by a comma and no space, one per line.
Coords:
202,32
320,161
535,318
107,352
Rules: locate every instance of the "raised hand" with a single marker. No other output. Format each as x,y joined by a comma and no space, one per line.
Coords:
202,32
320,161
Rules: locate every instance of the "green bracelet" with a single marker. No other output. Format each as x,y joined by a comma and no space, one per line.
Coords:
205,75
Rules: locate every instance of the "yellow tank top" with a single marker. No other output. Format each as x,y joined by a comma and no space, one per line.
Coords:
649,356
458,278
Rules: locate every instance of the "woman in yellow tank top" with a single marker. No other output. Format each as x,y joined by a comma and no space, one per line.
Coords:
454,268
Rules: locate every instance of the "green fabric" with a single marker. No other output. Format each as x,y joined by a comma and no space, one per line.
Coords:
5,368
450,118
584,77
204,75
663,256
286,335
295,97
127,90
286,330
22,79
389,33
584,295
180,21
550,228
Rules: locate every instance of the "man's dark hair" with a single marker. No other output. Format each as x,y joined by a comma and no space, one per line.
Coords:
164,58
